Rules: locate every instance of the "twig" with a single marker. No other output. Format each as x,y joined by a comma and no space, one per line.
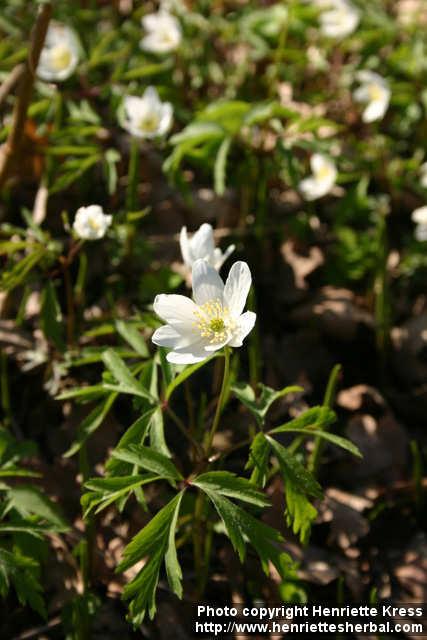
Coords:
25,90
9,83
40,203
36,631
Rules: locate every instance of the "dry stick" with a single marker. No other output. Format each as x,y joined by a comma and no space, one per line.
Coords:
9,83
25,89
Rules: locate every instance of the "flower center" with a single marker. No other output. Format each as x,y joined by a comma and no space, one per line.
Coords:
213,321
375,92
323,173
60,57
93,224
149,123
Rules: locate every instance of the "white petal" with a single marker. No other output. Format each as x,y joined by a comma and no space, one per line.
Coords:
361,94
419,216
318,162
207,285
220,258
237,288
185,246
175,310
421,232
246,324
310,189
202,243
191,354
374,111
166,118
166,336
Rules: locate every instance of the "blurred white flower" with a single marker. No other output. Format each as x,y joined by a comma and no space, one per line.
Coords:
322,180
147,117
91,223
340,20
201,245
375,93
163,32
419,216
423,175
60,54
195,329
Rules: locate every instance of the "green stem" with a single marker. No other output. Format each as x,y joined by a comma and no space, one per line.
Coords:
221,400
133,176
328,401
5,390
70,306
181,426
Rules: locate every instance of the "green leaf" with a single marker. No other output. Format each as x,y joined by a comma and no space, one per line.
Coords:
173,569
326,435
127,382
87,393
105,491
258,460
21,571
90,424
186,373
146,458
221,165
294,472
157,434
51,318
155,543
300,513
241,526
315,418
131,334
136,434
228,484
260,405
29,501
17,275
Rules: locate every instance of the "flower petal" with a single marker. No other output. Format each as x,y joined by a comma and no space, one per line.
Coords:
207,285
185,246
191,354
237,288
166,336
176,310
246,324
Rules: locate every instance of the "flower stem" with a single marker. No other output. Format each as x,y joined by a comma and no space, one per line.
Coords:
328,401
221,400
133,170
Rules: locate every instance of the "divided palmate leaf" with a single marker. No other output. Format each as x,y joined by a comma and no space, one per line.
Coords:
260,405
156,543
242,527
105,491
294,471
148,459
127,383
228,484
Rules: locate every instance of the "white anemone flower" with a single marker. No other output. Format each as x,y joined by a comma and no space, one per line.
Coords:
91,223
340,20
163,32
201,245
147,117
321,181
60,54
423,175
375,93
419,216
196,328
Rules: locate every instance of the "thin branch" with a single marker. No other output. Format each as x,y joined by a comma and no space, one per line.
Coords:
11,81
25,90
